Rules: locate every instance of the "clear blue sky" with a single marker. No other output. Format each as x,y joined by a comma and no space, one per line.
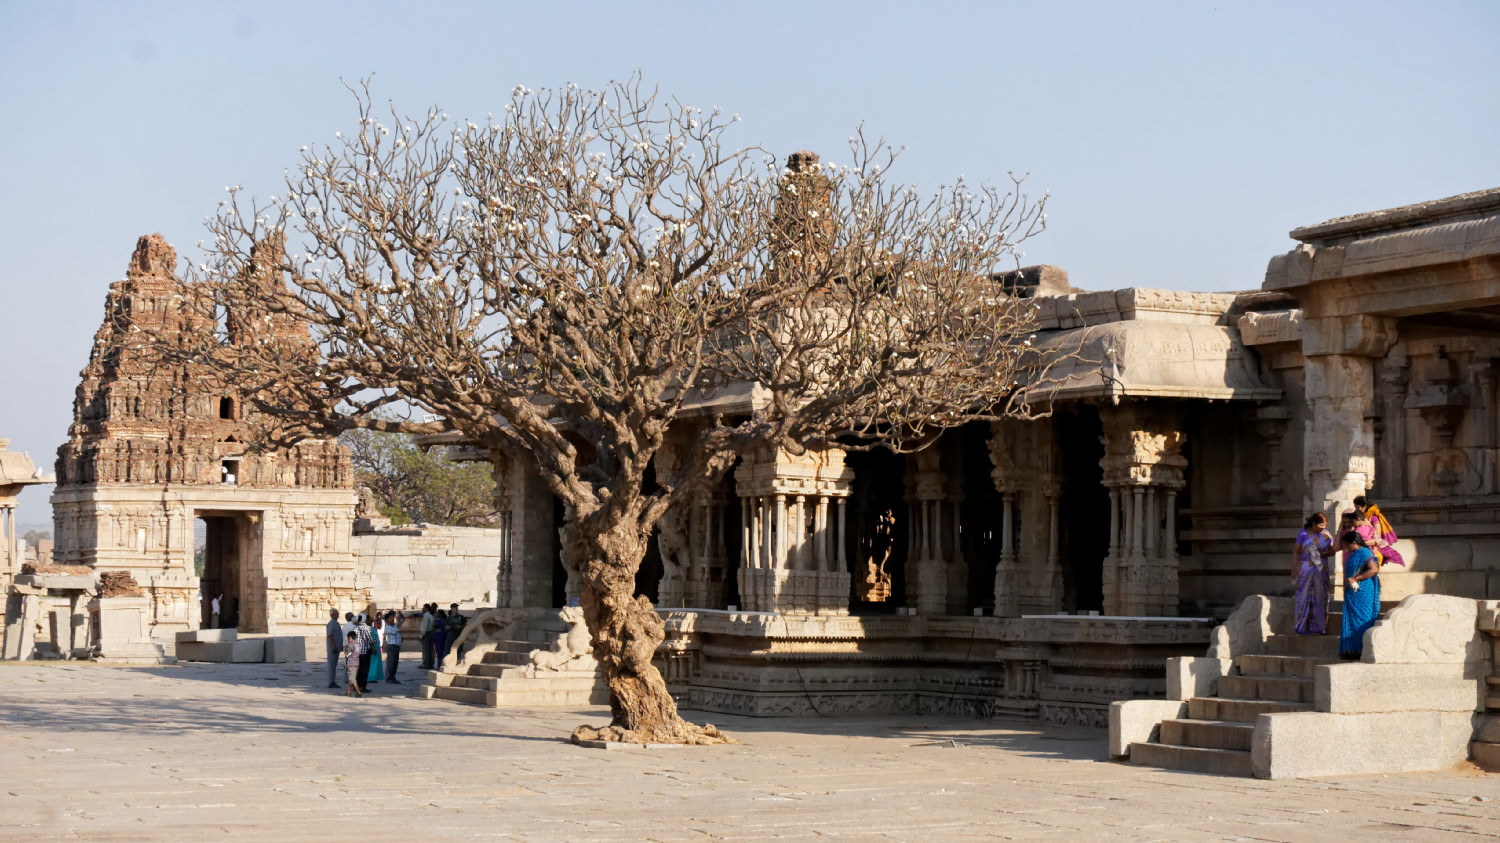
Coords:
1180,141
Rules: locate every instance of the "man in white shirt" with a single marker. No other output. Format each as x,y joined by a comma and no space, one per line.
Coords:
393,621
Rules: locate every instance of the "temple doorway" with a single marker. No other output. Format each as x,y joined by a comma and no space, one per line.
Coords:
1083,539
977,524
876,546
218,559
559,572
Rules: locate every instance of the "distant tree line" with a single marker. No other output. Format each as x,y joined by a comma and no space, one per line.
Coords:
415,486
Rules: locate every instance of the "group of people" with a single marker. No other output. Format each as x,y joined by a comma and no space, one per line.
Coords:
1367,541
369,646
440,630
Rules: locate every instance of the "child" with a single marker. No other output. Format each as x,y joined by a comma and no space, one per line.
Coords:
351,665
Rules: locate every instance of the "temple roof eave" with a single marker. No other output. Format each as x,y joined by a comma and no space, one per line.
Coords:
1147,359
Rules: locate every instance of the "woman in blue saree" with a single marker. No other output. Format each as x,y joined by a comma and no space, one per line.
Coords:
377,671
1361,594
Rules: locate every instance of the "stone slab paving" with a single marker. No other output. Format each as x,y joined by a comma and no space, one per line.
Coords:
207,752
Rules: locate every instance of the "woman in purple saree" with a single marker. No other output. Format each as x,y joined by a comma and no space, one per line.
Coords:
1313,576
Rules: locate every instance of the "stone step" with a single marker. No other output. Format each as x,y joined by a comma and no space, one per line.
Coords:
480,683
1267,665
1207,734
507,658
1312,646
1227,762
1486,755
1335,620
1239,710
472,696
1289,688
490,668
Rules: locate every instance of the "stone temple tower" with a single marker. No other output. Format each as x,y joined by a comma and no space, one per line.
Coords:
160,476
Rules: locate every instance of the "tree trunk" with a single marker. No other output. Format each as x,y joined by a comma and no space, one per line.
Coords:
626,631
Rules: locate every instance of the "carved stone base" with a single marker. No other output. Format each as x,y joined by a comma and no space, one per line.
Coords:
794,592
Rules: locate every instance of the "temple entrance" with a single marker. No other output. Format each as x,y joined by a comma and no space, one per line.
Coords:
219,551
876,546
732,519
559,572
979,529
1083,539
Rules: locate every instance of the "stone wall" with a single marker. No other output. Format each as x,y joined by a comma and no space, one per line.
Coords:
410,566
1057,669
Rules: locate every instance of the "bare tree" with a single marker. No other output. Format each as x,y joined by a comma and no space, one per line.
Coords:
558,281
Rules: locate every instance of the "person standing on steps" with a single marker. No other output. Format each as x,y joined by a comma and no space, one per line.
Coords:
1312,571
393,621
335,636
1361,595
1382,530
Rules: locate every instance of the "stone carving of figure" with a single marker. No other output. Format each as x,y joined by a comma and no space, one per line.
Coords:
875,584
672,543
572,651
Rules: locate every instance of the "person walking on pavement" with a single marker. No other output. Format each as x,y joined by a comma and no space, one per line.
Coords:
335,638
393,621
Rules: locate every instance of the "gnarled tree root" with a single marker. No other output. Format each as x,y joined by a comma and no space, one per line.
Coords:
687,733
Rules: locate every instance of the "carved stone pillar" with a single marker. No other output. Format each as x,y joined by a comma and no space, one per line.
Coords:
1483,374
1143,466
1270,426
1339,446
506,583
927,578
792,492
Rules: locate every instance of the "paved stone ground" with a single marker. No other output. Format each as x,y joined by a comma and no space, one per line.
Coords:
202,752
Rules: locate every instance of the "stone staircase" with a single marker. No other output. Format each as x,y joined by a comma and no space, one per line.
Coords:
1215,735
503,676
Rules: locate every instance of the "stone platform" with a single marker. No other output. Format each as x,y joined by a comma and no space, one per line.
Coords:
257,752
228,647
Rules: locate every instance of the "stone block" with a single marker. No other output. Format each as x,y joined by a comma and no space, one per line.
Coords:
249,650
1398,585
205,636
1433,554
1358,687
1136,721
481,546
1428,629
285,648
1488,729
1297,744
1189,677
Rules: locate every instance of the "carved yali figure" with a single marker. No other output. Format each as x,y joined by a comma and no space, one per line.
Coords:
571,651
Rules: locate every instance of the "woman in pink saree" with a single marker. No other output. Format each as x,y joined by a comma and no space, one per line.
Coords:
1381,531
